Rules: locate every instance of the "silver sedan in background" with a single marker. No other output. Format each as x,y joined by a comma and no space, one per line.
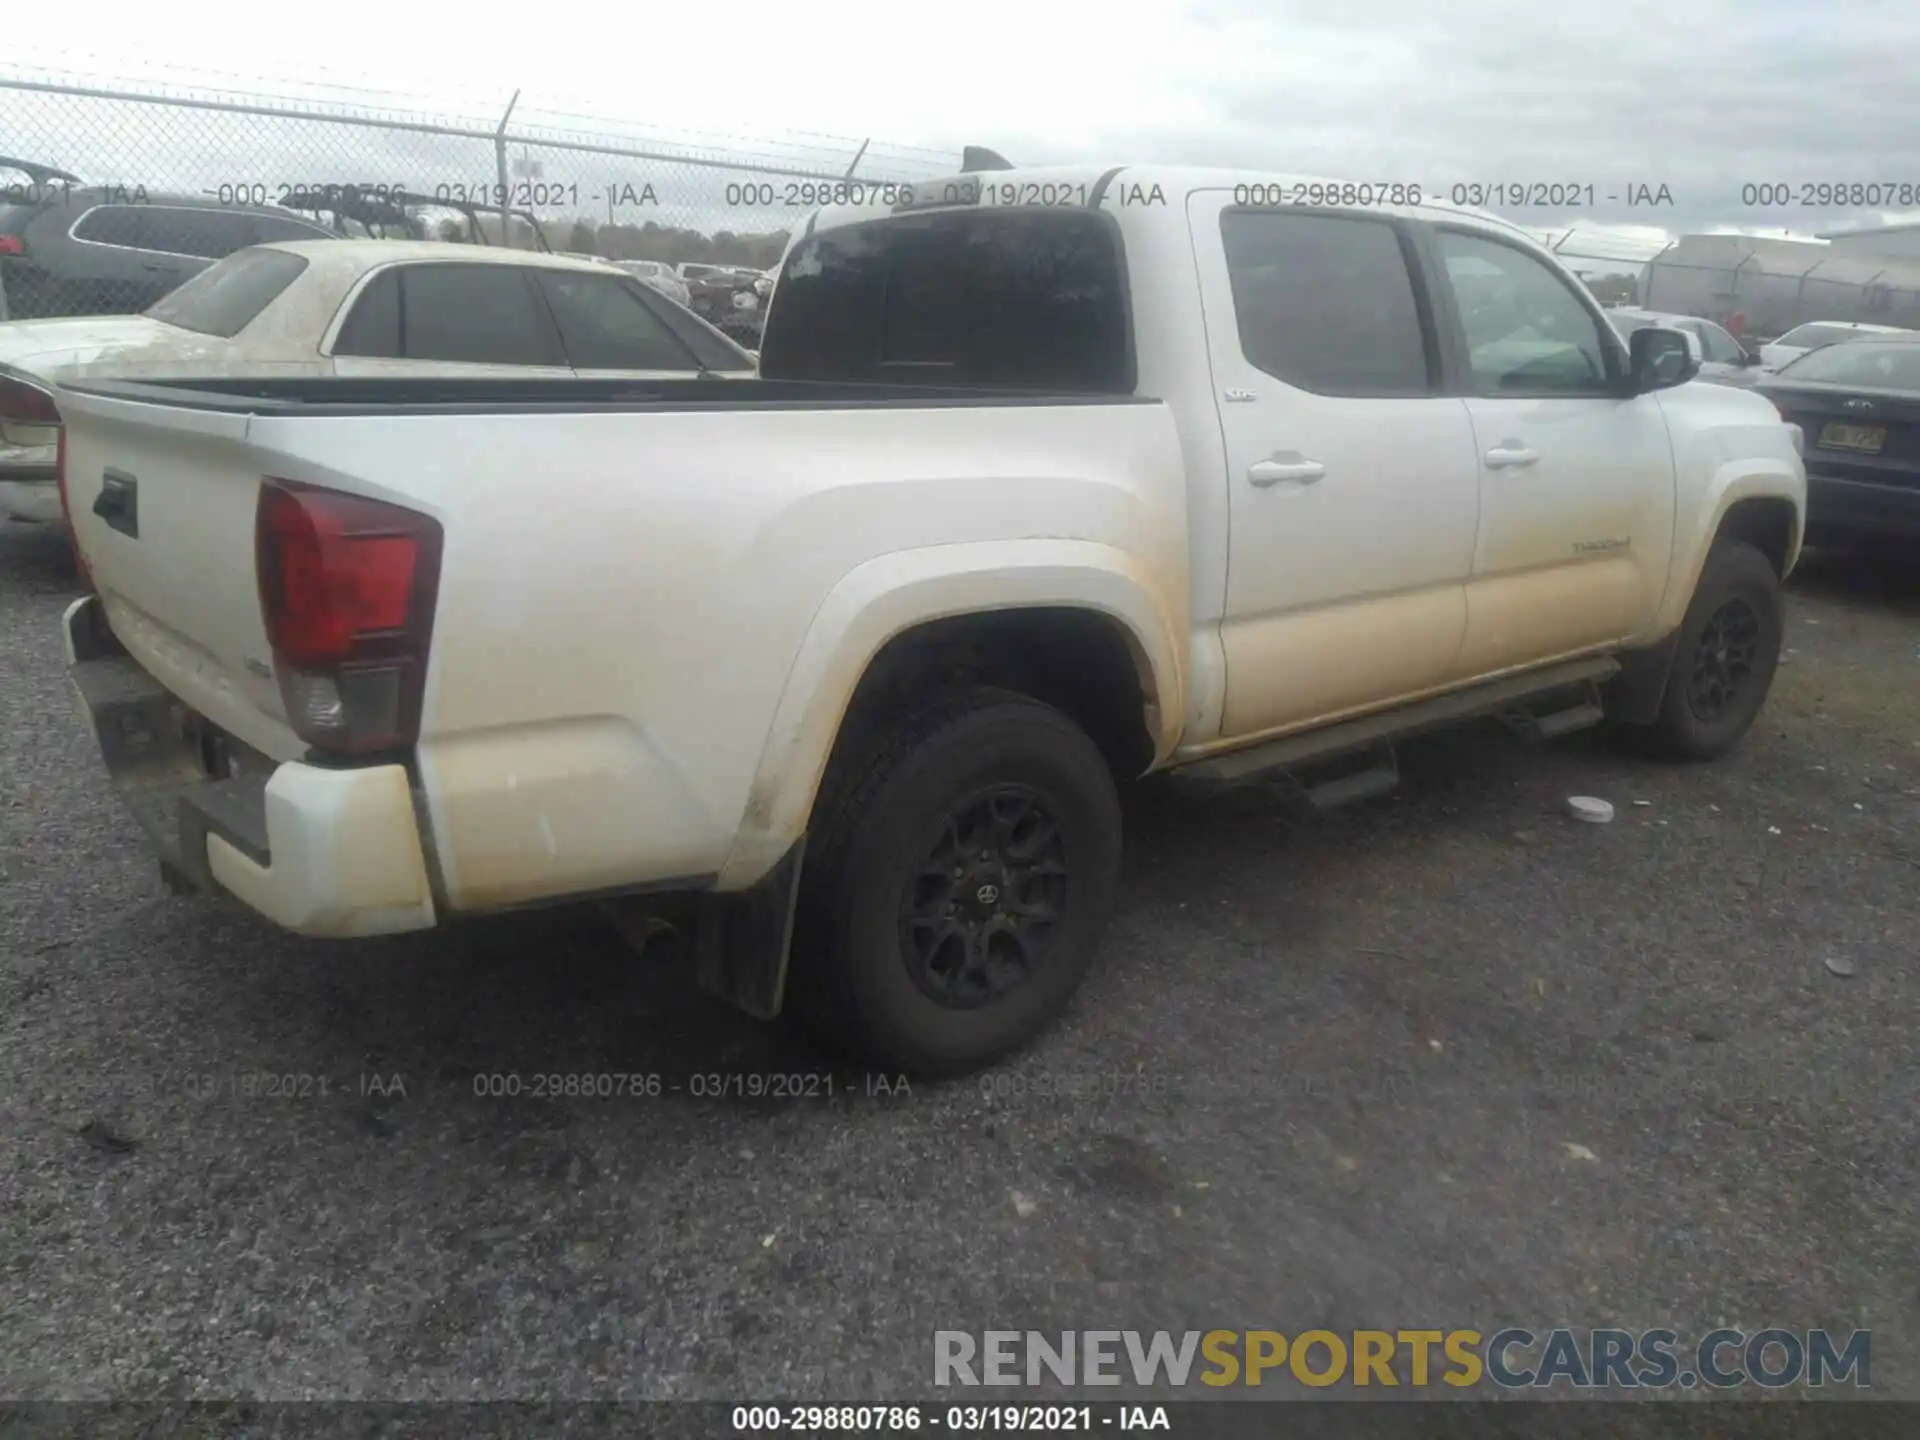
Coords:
1722,358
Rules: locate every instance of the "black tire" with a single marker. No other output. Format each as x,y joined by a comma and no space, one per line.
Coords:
901,972
1729,646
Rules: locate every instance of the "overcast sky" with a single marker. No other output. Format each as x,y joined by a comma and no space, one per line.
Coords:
1698,95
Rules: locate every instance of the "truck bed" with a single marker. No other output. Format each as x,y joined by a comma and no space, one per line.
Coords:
632,573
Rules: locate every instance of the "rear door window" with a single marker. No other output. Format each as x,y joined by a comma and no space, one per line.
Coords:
1326,303
372,327
477,314
989,298
113,225
205,234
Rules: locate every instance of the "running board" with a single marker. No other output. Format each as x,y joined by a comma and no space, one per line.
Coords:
1380,776
1579,710
1495,697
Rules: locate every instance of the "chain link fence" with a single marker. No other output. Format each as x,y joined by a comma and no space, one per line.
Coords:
110,197
1771,294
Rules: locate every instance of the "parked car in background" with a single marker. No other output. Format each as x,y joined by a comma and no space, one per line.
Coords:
694,272
746,317
106,250
1721,357
1798,341
660,276
1064,495
1857,404
351,307
727,297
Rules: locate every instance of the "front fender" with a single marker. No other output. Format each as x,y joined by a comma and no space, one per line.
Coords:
887,596
1701,511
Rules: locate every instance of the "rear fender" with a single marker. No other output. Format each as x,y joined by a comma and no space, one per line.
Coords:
886,597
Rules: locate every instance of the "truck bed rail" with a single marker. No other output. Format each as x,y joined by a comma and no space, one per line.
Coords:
396,395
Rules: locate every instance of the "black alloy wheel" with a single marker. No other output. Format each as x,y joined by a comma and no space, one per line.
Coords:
961,864
1723,660
1724,656
977,917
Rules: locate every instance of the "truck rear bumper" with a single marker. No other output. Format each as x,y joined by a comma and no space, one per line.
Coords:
319,851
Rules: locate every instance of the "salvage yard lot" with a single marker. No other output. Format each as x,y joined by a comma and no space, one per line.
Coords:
1445,1059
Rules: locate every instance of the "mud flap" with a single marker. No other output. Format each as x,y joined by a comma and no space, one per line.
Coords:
1633,696
741,939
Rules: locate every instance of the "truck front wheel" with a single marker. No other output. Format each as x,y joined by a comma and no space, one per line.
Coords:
1727,651
960,874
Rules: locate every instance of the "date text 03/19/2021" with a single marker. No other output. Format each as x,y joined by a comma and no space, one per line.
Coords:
715,1085
947,1419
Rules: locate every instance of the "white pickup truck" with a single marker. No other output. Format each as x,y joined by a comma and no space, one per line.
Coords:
1052,479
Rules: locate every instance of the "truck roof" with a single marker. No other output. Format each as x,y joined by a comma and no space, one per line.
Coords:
1116,182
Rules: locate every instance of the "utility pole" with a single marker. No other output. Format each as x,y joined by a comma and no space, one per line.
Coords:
500,169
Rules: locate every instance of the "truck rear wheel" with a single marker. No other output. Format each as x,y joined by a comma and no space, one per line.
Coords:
1728,650
960,874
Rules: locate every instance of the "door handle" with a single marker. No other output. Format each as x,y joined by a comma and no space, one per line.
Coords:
1271,472
1510,455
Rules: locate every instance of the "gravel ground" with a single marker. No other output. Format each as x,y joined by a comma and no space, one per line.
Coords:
1359,1050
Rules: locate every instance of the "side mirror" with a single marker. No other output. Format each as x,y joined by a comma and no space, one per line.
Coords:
1660,359
1749,357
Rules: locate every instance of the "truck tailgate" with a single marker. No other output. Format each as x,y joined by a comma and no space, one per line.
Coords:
162,500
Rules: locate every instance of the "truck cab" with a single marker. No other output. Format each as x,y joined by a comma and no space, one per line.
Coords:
1416,453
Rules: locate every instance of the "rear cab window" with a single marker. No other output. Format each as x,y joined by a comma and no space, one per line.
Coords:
225,298
998,299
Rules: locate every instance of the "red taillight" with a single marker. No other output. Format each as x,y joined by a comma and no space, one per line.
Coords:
12,245
340,578
347,589
22,404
